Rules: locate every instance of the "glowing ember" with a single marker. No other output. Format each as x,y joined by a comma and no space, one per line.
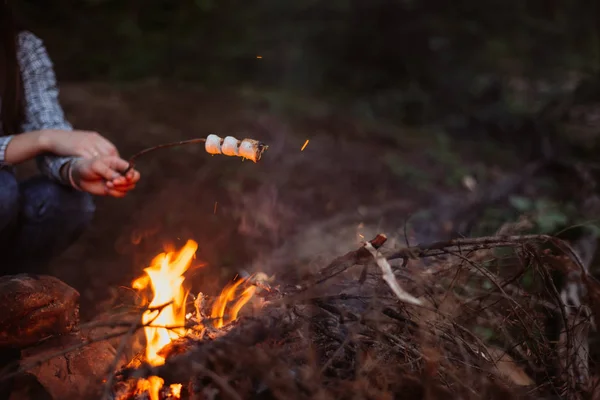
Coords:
165,319
305,144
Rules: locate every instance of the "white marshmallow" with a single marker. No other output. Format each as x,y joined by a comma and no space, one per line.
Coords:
213,144
250,149
230,146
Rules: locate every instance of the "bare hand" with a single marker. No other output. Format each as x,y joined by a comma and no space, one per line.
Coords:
84,144
101,176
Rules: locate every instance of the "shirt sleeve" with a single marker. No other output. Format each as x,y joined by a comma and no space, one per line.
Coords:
4,141
42,107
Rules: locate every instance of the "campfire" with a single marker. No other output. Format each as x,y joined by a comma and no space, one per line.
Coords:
166,320
388,327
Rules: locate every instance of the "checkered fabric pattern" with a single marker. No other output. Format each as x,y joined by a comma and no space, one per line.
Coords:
42,110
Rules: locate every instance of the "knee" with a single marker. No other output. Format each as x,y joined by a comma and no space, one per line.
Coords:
45,199
9,198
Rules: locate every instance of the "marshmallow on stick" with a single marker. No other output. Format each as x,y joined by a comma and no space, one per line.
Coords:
247,148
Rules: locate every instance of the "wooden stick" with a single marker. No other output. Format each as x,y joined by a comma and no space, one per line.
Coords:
158,147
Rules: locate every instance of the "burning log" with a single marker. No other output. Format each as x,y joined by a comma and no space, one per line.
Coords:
167,327
183,359
368,338
35,307
247,332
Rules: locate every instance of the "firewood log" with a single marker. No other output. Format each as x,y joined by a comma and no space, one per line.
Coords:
34,308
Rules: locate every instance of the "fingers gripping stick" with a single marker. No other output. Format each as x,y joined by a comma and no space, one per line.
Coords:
246,148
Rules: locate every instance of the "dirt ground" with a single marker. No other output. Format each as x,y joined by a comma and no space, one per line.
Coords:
353,179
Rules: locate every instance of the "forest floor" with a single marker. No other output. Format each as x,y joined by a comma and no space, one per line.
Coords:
353,179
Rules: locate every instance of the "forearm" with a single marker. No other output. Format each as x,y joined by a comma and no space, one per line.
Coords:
24,147
37,144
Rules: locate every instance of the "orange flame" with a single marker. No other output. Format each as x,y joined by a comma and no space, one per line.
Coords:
228,295
165,318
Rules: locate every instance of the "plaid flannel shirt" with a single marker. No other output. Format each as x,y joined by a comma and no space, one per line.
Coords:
42,108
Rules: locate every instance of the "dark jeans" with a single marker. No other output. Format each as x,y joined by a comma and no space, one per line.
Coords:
39,219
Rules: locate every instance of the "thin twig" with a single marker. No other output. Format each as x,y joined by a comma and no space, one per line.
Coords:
348,260
37,363
389,278
487,242
113,365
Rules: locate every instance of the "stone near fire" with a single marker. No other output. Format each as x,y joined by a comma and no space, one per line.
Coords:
77,374
34,308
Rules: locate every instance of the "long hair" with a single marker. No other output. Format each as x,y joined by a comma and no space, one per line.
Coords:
11,90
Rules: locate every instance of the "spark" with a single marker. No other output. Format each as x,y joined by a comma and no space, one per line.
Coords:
259,57
305,144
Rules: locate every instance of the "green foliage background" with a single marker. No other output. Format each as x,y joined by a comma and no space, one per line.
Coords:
374,47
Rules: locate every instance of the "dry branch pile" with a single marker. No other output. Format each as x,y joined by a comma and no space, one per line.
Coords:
486,321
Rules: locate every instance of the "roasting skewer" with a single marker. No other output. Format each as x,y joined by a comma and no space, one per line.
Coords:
246,148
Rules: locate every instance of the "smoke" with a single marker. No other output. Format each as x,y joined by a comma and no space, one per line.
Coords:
313,204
